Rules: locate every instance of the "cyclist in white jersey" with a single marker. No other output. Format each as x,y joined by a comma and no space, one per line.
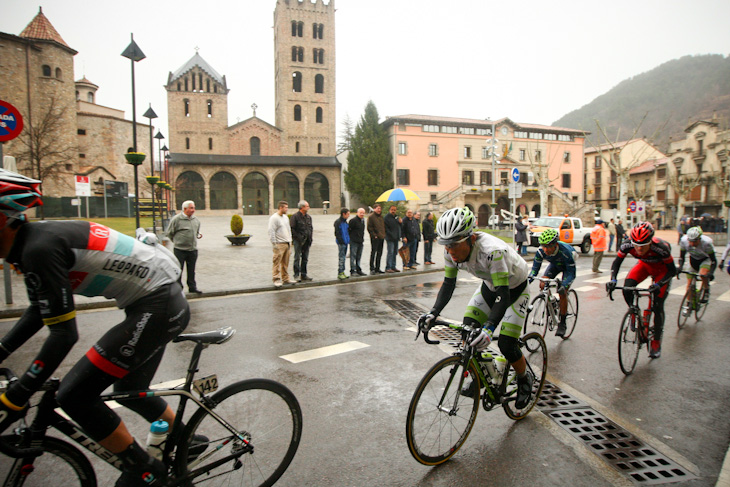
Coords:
701,257
502,296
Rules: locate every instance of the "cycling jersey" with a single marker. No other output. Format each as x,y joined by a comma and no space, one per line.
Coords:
703,250
562,260
659,251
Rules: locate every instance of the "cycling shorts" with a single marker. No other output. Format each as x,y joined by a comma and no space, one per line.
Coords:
657,271
698,265
552,272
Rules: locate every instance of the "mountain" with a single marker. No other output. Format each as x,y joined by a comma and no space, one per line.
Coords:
677,93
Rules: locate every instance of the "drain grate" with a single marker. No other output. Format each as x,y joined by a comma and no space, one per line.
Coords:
406,309
628,454
553,397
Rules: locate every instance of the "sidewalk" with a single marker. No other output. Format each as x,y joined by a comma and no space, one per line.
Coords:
224,269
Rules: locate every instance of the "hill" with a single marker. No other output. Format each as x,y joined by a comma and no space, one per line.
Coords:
677,92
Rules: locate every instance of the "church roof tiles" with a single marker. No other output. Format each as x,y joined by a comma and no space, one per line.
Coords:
197,60
41,28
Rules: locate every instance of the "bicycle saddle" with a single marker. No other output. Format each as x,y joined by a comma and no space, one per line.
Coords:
214,337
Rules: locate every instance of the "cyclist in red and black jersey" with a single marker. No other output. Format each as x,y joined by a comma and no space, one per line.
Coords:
655,260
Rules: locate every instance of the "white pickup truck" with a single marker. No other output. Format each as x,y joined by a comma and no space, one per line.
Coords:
571,230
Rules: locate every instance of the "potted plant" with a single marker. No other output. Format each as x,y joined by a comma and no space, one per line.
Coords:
237,227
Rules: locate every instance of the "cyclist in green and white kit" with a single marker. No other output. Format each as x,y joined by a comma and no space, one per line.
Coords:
501,298
701,258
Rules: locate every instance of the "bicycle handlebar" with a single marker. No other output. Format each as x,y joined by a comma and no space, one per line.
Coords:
426,328
639,290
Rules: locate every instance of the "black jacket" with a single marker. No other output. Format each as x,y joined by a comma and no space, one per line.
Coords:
357,229
428,230
301,228
392,228
410,229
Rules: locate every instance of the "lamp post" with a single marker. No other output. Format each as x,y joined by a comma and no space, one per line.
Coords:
159,138
167,178
149,115
134,54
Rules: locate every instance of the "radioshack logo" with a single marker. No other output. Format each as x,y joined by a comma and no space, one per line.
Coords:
99,231
148,477
36,368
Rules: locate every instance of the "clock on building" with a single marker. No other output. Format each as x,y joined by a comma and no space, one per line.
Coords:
504,130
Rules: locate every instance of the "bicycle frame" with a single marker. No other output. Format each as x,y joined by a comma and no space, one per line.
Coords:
643,321
546,291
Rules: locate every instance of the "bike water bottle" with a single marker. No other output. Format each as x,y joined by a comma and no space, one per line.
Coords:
487,364
500,365
156,439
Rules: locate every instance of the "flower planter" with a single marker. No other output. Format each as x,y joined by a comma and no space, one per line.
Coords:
134,158
238,239
152,179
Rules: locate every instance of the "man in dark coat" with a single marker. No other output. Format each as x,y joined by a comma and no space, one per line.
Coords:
376,229
411,232
392,238
357,239
301,232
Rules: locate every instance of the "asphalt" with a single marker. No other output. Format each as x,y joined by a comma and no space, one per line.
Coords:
224,269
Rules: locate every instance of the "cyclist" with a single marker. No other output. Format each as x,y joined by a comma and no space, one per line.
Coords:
701,256
560,257
655,260
62,258
502,297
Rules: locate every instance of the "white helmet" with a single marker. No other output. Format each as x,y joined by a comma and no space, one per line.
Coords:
454,225
694,233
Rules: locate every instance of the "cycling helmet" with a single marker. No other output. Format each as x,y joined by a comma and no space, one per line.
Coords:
18,193
454,225
694,233
642,233
548,236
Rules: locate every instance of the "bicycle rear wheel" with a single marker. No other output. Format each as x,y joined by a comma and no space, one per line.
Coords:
629,342
60,464
702,307
264,413
535,352
538,317
685,309
572,316
439,417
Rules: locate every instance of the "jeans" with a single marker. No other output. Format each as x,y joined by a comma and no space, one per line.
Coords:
610,242
427,249
355,255
376,253
188,257
392,252
301,257
412,248
342,253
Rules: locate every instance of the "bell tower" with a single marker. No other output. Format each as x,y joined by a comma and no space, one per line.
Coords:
304,44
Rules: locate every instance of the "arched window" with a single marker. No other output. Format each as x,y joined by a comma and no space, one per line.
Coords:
186,84
90,97
317,31
300,29
294,51
200,79
316,189
78,95
58,73
321,56
319,84
179,86
193,78
319,114
320,31
255,194
296,147
186,104
210,143
293,28
210,108
207,85
297,113
255,144
297,82
319,148
190,186
223,192
46,70
286,187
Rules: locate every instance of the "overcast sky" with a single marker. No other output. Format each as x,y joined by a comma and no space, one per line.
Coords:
531,61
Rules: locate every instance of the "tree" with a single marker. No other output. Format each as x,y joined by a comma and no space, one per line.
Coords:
369,164
346,135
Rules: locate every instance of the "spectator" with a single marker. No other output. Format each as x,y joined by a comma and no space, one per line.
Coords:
681,228
417,217
301,232
342,236
392,238
611,235
280,235
521,235
376,229
429,235
410,239
184,230
356,227
620,232
598,240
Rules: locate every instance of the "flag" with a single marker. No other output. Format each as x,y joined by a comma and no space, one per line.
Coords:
507,150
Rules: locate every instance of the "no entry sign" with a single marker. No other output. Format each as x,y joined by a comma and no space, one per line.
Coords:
11,122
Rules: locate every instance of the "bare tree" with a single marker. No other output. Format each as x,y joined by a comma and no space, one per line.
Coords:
539,167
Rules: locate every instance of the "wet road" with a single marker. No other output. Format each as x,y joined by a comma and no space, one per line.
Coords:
355,403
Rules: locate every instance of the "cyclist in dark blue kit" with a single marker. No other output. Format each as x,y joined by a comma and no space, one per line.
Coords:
560,257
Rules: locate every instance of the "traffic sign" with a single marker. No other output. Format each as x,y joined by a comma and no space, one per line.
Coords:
83,186
632,206
11,122
515,175
515,190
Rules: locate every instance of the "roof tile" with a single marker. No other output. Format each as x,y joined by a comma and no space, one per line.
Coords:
41,28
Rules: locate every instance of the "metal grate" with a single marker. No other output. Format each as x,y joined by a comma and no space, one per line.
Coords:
618,447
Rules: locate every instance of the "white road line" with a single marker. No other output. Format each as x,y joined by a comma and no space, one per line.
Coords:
679,291
584,289
583,272
724,296
329,351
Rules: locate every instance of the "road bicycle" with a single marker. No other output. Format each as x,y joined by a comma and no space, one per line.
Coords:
636,330
253,428
693,299
542,317
440,417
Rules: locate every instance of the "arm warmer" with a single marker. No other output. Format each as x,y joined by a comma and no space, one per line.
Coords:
615,267
444,296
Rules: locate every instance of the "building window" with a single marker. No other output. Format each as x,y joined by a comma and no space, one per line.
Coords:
433,150
296,147
434,197
565,138
179,86
661,195
187,143
90,97
317,31
566,157
467,152
566,181
485,153
46,70
186,104
466,130
319,148
297,29
58,73
661,173
82,156
612,192
297,54
297,113
522,154
597,179
207,85
538,156
210,108
319,84
520,134
81,131
503,176
467,177
193,79
404,177
402,148
433,177
296,85
429,128
215,88
597,161
255,144
485,177
319,114
186,84
210,143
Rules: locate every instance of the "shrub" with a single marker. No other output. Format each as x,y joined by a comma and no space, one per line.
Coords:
236,224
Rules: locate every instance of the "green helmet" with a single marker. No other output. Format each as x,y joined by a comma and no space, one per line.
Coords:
548,236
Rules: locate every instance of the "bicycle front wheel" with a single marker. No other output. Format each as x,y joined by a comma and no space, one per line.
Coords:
629,342
572,315
535,352
702,307
685,309
60,464
439,417
267,420
538,317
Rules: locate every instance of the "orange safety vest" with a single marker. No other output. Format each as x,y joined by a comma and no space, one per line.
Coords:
598,238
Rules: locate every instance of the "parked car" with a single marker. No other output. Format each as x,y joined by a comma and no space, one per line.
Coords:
571,230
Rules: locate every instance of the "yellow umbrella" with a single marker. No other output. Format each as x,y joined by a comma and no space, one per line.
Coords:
398,194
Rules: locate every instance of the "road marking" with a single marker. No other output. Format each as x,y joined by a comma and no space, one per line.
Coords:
323,352
724,296
584,289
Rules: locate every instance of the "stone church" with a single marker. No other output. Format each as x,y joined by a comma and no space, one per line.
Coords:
253,164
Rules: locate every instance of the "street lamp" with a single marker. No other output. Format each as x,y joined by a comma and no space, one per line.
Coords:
152,179
134,54
167,178
159,138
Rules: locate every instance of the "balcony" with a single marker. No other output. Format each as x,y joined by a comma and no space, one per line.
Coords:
699,155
